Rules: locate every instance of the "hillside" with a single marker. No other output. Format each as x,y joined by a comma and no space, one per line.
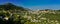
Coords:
10,6
44,17
12,14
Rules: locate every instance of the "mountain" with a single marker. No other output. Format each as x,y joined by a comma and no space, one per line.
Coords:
10,6
10,13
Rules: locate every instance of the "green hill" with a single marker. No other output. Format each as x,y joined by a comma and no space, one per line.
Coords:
10,6
12,14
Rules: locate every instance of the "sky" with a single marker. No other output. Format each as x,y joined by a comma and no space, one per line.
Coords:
35,4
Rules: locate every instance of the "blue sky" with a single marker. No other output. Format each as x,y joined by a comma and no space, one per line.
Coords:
35,4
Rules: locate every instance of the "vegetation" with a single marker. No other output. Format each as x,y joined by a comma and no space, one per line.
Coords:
11,14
